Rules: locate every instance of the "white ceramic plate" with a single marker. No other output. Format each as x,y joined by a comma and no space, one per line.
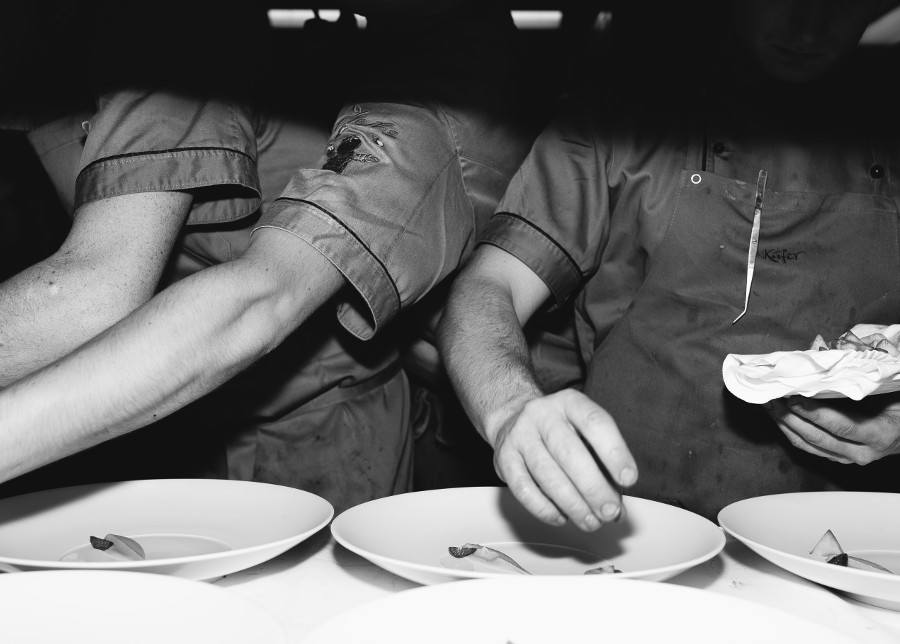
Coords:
194,528
409,535
538,610
99,607
784,528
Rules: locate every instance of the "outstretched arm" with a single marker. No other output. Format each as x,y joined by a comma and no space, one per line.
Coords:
185,342
109,264
548,449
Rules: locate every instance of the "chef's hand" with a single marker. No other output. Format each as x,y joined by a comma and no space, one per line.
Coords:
845,431
556,453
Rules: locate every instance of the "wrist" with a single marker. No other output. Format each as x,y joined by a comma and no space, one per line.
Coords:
500,416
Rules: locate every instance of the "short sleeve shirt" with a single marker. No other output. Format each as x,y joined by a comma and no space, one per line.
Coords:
595,196
416,163
575,215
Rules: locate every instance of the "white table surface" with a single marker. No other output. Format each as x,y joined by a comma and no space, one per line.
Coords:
319,579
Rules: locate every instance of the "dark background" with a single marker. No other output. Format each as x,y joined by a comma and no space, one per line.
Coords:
661,36
32,221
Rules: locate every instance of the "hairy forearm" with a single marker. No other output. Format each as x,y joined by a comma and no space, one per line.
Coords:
485,353
182,344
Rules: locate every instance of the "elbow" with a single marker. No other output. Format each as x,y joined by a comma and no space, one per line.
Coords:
260,323
280,312
272,308
286,281
83,306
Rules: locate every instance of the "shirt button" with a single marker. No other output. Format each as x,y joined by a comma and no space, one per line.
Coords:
718,147
876,171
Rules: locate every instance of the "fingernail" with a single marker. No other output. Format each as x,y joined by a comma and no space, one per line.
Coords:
559,521
628,476
768,405
592,522
609,512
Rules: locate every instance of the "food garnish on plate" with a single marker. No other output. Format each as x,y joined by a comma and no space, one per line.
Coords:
484,553
828,546
119,548
492,555
605,569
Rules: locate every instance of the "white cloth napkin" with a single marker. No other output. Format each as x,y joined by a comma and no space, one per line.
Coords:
816,374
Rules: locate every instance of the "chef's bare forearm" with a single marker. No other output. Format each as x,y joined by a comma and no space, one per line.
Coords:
182,344
485,352
48,310
108,265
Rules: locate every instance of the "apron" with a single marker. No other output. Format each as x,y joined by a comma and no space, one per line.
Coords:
823,263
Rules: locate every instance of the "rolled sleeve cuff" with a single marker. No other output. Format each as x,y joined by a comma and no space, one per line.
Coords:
178,169
537,250
380,298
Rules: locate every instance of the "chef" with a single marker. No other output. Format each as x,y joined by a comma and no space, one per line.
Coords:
731,191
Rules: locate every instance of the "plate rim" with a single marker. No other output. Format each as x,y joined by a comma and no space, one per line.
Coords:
852,574
169,581
466,574
286,542
320,632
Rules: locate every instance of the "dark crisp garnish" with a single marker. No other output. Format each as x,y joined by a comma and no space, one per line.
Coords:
459,553
101,544
839,560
